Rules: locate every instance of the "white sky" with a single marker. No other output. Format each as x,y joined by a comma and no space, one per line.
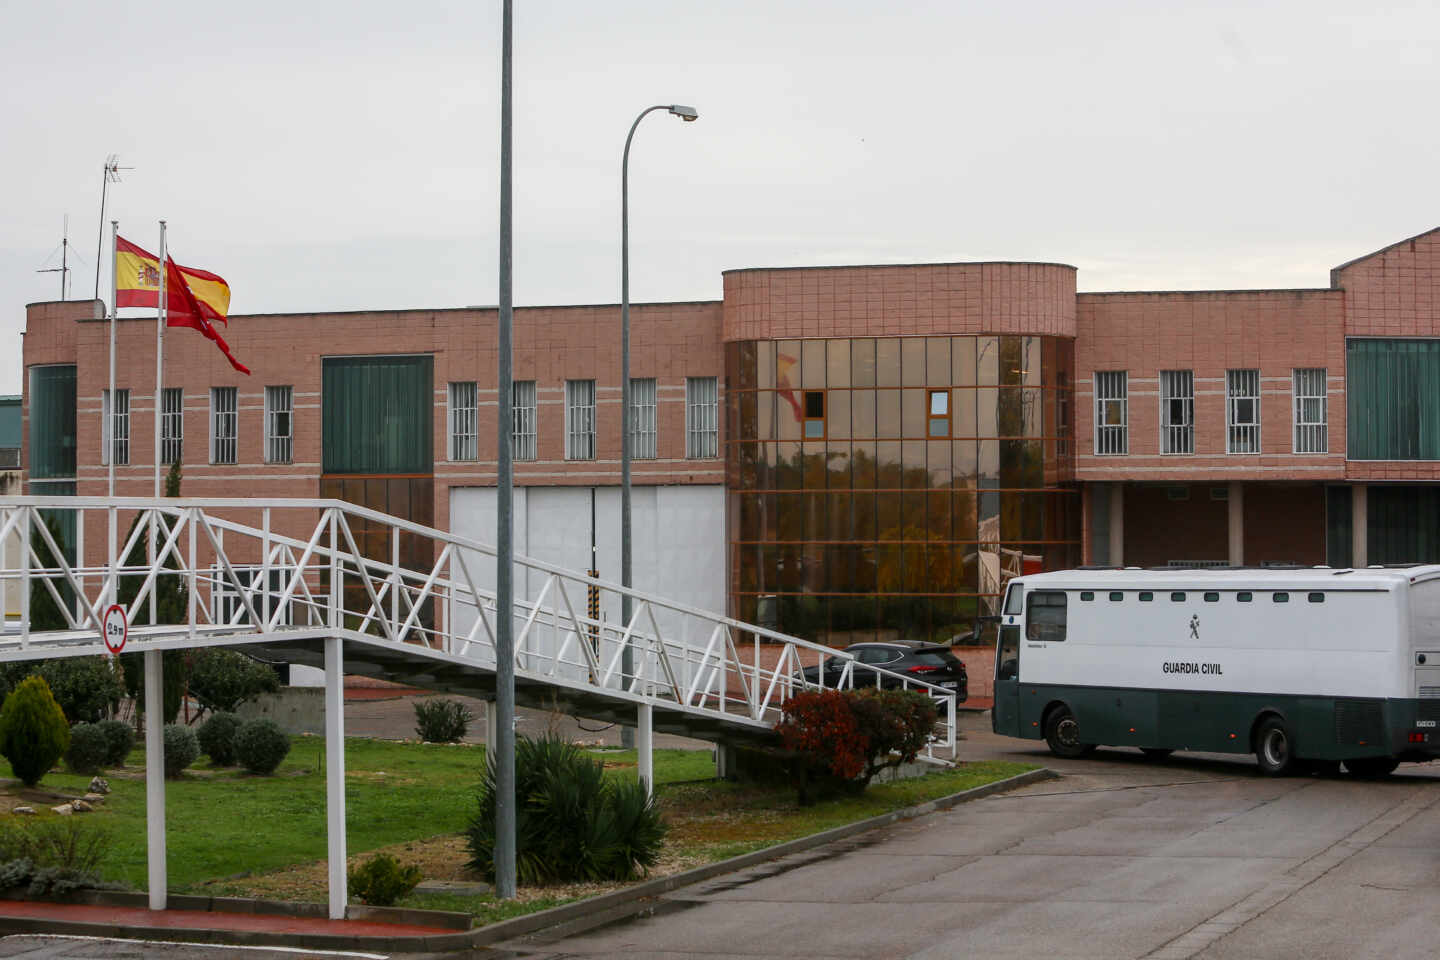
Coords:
330,156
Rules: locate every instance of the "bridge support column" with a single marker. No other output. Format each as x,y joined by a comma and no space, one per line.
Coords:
155,779
724,761
645,744
335,775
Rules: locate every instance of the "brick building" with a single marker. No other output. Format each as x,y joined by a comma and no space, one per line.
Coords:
835,451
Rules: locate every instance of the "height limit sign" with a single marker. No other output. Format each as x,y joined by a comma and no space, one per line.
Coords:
116,628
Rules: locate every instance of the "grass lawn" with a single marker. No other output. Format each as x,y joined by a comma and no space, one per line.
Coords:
233,833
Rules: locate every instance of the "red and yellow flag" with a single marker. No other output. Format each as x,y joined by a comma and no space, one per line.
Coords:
194,298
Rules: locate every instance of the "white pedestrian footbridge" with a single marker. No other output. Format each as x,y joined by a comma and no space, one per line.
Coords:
333,585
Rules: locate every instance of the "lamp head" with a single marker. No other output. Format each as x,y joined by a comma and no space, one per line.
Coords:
684,113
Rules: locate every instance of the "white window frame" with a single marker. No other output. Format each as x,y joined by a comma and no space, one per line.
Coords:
172,424
1309,385
579,419
115,428
1177,411
279,446
1241,387
224,412
702,418
463,412
523,438
644,441
1112,396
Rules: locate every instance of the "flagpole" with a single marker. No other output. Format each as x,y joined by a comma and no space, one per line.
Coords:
159,358
110,426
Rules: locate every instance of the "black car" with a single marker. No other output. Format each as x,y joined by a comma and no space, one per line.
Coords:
931,663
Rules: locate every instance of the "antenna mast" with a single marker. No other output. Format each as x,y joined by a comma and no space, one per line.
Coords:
111,175
64,268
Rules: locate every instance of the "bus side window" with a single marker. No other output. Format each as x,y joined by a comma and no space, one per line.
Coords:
1009,661
1012,599
1045,622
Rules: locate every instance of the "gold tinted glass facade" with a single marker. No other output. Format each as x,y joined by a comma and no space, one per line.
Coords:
895,524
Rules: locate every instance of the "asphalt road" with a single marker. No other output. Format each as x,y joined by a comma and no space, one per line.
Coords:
1196,856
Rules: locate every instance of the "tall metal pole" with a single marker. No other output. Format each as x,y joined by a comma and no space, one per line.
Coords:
627,662
502,737
110,412
159,356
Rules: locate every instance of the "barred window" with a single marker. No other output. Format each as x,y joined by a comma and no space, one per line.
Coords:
1112,414
642,419
464,437
1062,414
1242,411
702,417
115,428
172,424
1311,411
522,415
1177,411
279,424
579,419
224,417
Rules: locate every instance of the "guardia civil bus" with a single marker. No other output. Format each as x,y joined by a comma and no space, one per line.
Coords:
1305,668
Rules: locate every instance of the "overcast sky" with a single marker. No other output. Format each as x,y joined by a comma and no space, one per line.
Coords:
340,156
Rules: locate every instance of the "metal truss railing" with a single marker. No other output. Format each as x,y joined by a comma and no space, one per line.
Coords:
257,570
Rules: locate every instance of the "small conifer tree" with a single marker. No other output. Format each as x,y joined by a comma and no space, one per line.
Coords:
33,731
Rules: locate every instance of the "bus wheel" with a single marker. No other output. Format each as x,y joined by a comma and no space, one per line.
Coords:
1062,733
1156,753
1371,767
1274,750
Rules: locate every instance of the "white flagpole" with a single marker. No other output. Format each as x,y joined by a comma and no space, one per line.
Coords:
110,426
160,357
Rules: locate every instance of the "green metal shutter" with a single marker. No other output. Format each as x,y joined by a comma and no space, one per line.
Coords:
1393,399
52,422
376,415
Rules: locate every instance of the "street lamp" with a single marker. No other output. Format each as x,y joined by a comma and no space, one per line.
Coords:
687,114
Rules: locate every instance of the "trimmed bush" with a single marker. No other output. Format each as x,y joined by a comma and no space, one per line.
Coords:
181,748
119,741
896,724
221,680
33,731
217,738
87,749
439,720
381,881
572,823
842,738
260,745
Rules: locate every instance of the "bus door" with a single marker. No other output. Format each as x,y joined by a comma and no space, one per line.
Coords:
1005,715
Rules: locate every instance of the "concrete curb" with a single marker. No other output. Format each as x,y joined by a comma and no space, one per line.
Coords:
614,906
581,915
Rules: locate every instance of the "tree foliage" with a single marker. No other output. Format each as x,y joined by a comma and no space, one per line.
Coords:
33,731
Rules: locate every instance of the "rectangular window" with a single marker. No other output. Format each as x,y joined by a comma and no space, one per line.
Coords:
642,419
279,424
1111,412
579,419
115,427
1311,411
224,422
522,415
938,414
702,417
1242,411
1045,619
172,424
814,415
464,432
1392,391
1177,411
1062,415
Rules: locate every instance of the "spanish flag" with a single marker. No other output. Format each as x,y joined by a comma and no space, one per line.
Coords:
194,298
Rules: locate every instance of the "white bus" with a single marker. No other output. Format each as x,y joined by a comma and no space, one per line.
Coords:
1306,668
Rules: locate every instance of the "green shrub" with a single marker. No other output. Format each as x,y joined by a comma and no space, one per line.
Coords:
381,881
181,748
842,738
119,741
85,687
441,721
33,731
260,745
52,855
87,749
571,823
896,724
217,738
221,680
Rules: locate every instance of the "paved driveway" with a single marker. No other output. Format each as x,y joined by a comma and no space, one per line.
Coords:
1190,857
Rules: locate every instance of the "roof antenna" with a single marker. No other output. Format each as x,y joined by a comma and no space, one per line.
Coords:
64,268
111,175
